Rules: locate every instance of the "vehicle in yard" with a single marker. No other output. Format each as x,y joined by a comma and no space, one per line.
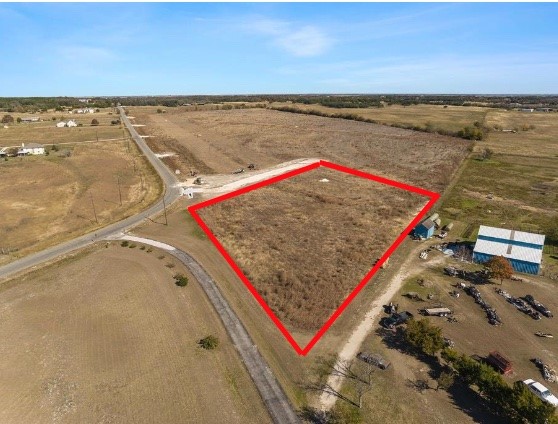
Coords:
374,359
395,319
437,312
499,362
538,306
541,392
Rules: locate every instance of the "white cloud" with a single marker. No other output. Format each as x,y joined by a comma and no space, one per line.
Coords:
305,41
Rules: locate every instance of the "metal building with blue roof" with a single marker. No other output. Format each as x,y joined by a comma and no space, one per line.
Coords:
523,250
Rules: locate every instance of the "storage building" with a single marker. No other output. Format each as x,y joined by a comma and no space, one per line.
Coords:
523,250
425,229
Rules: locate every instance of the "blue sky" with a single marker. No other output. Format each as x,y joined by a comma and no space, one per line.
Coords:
79,49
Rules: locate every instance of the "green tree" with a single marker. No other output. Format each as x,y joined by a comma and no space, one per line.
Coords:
499,268
424,336
209,343
94,122
445,380
181,280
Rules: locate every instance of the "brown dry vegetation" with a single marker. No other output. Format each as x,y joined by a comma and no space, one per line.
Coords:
226,140
450,118
46,132
117,343
47,199
305,244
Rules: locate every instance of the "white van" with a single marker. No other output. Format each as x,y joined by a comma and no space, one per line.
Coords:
541,392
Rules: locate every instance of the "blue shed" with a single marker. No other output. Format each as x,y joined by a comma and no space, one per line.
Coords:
425,229
522,250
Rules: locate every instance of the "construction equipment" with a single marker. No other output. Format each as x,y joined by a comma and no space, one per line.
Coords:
238,171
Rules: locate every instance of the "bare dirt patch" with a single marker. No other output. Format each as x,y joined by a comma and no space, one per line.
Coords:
307,241
117,343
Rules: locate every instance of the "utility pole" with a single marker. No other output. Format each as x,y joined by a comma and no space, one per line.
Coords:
94,211
165,211
119,191
97,135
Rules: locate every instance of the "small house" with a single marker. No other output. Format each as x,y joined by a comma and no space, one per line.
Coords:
31,149
30,119
425,229
71,123
61,124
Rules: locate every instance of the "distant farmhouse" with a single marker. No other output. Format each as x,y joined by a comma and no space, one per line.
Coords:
63,124
30,119
523,250
31,149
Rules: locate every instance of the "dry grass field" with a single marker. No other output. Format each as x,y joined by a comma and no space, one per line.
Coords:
117,343
49,199
450,118
305,244
46,132
222,141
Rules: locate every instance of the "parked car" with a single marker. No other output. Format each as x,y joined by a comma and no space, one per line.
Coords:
395,319
541,392
374,359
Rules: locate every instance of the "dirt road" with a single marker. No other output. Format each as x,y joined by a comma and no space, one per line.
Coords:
355,340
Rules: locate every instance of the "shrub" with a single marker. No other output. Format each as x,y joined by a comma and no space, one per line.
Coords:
94,122
209,343
125,243
170,265
7,119
181,280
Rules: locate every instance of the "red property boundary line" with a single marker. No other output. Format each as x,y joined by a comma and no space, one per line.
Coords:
433,197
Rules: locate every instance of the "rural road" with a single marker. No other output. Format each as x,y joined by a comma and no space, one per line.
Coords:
274,397
172,192
352,345
271,392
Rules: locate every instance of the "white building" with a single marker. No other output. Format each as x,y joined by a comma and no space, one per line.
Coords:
71,123
31,149
61,124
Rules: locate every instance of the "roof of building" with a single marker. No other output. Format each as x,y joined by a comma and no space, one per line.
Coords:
502,233
32,146
428,224
509,251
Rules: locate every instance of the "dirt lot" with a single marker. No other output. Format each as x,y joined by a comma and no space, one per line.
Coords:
227,140
117,344
46,132
303,236
48,199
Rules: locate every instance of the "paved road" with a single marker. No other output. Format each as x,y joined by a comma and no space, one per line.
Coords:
274,397
172,192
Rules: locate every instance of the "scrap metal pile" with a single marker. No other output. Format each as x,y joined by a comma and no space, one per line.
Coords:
493,317
519,303
548,373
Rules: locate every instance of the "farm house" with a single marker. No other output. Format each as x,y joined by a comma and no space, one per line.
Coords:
425,229
523,250
31,149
